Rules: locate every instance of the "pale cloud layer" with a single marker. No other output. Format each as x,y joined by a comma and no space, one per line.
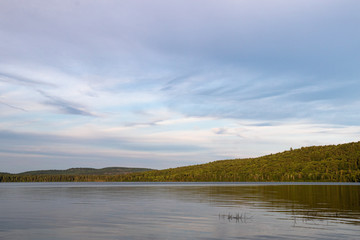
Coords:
169,83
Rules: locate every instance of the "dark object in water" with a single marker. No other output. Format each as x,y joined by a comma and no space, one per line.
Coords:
237,217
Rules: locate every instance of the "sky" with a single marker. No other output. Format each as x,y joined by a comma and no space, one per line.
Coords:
168,83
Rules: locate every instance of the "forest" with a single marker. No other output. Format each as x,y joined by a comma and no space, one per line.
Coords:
87,171
332,163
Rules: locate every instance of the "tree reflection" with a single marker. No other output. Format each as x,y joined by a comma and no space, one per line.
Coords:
339,203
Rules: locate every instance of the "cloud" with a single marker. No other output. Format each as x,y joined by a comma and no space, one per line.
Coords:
220,130
13,107
187,79
113,37
65,106
9,78
244,95
34,142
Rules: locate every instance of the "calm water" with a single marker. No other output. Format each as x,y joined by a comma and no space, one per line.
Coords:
178,211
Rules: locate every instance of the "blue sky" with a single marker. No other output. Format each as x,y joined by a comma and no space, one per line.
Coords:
170,83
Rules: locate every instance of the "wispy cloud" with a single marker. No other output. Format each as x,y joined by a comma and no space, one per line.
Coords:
173,80
65,106
13,107
9,78
105,149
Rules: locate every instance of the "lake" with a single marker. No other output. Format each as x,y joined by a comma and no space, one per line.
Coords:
44,211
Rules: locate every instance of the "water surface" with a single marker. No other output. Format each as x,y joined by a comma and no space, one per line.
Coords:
179,211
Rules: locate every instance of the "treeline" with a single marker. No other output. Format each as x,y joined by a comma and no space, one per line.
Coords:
87,171
58,178
334,163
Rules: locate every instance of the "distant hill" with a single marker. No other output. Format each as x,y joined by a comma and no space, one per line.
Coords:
87,171
336,163
332,163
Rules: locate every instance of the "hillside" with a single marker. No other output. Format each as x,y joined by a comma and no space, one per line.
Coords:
87,171
340,163
336,163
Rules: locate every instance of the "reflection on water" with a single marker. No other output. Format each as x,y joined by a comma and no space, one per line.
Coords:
178,211
332,202
243,218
